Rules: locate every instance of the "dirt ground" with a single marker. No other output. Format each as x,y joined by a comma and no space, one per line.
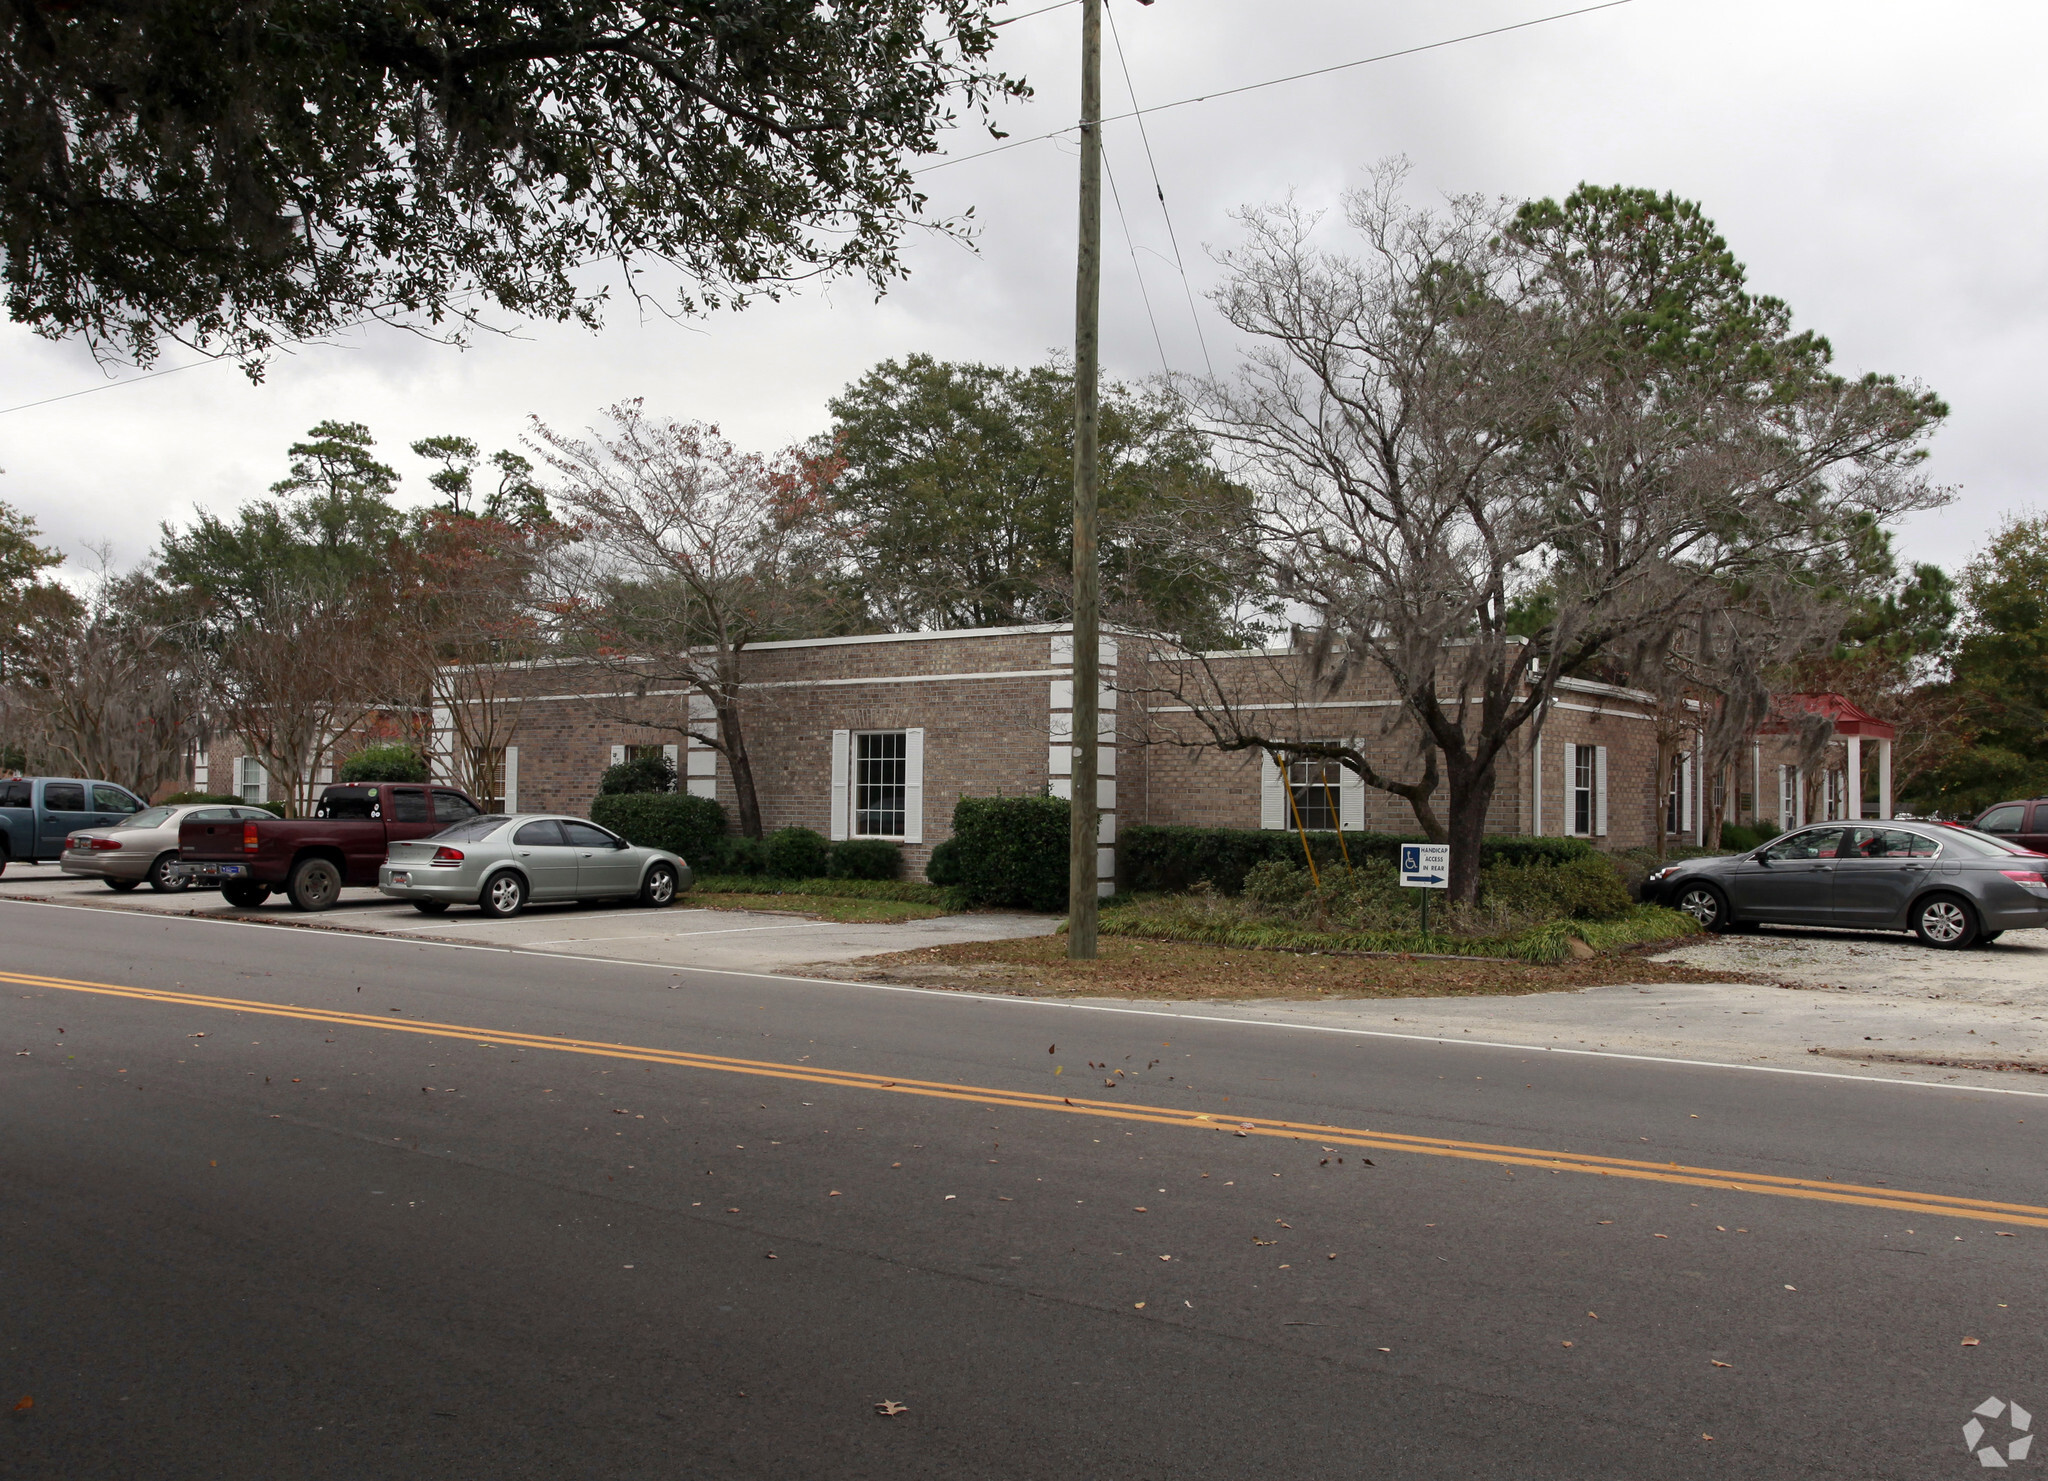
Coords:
1166,970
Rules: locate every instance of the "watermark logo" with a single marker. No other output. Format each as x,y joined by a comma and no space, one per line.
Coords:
2018,1423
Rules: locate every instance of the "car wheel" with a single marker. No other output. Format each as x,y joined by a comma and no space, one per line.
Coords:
160,877
1946,921
315,884
431,907
248,896
120,886
659,888
1704,904
504,895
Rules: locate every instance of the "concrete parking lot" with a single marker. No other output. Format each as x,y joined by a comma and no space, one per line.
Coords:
727,940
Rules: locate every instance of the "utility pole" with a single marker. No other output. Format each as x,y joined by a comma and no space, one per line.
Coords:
1087,589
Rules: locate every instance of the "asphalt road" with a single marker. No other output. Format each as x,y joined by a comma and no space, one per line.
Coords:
463,1212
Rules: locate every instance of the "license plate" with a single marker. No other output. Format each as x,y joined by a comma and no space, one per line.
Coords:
399,876
230,870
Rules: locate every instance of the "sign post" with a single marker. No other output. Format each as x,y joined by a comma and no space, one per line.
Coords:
1425,866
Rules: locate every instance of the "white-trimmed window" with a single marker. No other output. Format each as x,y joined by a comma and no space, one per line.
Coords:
1326,793
881,773
1585,791
251,785
878,784
1788,797
1835,796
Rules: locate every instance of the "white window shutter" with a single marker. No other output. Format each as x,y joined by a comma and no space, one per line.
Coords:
841,744
1685,794
913,786
618,755
674,756
1600,790
511,783
1351,795
1571,783
1272,797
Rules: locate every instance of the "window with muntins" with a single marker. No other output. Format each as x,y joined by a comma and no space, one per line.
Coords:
1316,785
881,768
1582,790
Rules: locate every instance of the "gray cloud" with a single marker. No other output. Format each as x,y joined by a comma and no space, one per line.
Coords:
1874,164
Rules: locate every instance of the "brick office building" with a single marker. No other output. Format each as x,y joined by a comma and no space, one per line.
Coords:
880,735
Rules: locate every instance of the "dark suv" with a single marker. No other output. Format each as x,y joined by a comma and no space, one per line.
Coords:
2024,823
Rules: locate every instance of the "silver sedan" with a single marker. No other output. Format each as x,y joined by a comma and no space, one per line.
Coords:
142,846
500,863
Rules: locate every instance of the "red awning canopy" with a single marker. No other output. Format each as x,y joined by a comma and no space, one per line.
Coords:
1847,718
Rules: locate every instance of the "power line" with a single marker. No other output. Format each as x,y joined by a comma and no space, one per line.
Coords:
1124,61
1123,220
1249,87
108,386
1006,20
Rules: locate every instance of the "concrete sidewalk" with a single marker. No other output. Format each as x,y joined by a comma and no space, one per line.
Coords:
680,936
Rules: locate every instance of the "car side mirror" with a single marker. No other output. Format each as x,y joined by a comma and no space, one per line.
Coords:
620,843
1762,856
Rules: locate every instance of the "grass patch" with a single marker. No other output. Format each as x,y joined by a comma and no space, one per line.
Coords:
829,907
910,891
1214,922
1183,971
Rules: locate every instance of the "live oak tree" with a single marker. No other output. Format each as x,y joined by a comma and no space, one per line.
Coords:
238,173
1582,399
956,504
688,550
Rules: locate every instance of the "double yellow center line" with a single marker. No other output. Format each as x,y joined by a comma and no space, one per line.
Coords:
1822,1190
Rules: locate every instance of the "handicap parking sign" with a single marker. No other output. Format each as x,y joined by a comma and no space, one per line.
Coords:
1426,866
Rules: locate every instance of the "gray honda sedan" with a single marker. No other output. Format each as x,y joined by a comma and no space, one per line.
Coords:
1949,886
499,863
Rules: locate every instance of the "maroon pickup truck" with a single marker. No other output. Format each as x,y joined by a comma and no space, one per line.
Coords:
310,859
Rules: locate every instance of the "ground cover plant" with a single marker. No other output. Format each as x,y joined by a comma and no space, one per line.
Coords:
1534,912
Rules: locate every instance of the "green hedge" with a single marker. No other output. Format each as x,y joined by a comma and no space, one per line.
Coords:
641,774
1007,851
675,821
866,858
798,853
1157,857
397,763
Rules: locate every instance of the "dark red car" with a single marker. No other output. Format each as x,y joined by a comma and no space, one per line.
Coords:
310,859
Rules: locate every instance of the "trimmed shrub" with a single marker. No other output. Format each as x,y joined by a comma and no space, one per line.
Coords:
219,799
676,821
798,853
1738,839
747,856
641,774
866,858
1012,851
1157,857
943,867
395,763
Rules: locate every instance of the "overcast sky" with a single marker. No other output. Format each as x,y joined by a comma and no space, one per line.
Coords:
1877,165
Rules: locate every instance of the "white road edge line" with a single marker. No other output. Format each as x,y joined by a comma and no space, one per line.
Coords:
951,995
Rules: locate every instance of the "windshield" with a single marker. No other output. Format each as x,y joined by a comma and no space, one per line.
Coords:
473,829
149,817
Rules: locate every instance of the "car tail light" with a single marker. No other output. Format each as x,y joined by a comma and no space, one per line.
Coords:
2024,876
249,838
74,843
446,856
102,843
